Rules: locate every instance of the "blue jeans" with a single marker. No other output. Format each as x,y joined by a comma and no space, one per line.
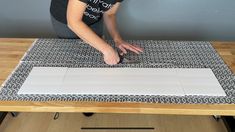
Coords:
64,32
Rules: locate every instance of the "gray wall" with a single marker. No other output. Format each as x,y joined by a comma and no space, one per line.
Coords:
25,18
137,19
178,19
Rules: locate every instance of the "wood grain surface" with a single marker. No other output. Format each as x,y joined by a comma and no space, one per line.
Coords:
12,50
73,122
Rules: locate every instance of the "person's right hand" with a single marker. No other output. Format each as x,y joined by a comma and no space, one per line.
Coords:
111,57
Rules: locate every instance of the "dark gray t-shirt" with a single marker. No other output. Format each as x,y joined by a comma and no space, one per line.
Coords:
92,14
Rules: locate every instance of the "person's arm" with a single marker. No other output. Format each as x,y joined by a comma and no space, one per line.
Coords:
75,12
110,22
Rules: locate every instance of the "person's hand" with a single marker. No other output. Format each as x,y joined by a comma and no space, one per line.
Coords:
111,57
124,46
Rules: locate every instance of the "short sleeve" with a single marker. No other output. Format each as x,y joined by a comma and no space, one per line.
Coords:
85,1
119,0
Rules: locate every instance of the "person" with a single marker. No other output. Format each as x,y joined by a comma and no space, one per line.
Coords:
74,19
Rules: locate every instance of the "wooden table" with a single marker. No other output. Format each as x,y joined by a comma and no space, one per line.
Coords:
11,51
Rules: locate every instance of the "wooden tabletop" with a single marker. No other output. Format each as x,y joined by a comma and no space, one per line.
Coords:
12,50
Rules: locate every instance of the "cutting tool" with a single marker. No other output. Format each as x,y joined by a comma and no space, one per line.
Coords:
125,60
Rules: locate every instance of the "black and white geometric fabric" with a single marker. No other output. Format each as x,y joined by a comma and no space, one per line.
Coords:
158,54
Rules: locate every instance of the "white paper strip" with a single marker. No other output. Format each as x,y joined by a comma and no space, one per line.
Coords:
122,81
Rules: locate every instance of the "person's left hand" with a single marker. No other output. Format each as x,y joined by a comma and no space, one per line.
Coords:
124,46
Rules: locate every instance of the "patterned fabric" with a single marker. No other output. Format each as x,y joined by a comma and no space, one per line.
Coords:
158,54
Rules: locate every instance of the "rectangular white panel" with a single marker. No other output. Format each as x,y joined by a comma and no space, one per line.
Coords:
122,81
200,82
43,80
